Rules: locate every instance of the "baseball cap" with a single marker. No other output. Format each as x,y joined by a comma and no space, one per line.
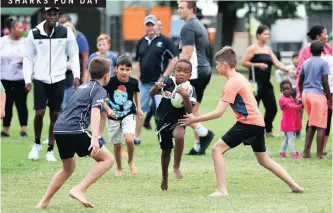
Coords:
50,8
151,18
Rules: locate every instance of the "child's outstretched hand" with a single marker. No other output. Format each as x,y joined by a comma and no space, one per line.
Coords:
160,84
188,119
139,114
111,113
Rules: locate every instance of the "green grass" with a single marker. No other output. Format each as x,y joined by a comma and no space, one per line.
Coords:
251,188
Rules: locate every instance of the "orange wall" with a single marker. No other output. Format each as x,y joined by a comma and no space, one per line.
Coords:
133,23
164,14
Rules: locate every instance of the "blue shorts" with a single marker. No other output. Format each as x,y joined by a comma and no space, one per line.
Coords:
145,97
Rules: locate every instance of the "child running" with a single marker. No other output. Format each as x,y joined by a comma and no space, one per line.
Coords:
167,117
249,128
122,90
72,135
291,119
316,97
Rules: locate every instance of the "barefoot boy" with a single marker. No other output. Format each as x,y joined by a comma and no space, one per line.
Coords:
72,135
249,128
167,117
122,90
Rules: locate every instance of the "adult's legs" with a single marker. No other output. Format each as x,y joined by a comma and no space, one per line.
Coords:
268,99
8,85
144,100
20,99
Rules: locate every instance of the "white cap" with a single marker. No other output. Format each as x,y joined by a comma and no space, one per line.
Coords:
151,19
50,8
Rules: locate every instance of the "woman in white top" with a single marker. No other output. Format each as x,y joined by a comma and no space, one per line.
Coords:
329,59
11,54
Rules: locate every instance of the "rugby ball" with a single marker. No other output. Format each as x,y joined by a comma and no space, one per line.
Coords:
176,99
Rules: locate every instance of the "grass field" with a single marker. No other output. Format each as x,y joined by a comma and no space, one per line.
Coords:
250,187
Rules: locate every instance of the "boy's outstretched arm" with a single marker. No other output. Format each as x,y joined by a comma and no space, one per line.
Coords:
156,88
218,112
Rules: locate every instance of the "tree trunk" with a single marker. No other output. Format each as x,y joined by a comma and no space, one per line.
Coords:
229,21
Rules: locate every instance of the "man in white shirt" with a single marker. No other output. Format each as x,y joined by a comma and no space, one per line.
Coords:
48,46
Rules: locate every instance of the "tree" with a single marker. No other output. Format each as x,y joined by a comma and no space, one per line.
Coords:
267,12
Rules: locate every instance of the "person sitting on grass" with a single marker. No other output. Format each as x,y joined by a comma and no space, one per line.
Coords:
72,135
250,126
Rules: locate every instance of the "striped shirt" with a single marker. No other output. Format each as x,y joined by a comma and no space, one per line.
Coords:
75,119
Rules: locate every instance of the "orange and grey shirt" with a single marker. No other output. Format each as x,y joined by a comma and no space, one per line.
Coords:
238,93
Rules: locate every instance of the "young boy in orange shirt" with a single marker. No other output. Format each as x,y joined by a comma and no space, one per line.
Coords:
249,128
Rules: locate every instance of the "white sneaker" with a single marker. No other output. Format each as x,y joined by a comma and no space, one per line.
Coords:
34,153
50,157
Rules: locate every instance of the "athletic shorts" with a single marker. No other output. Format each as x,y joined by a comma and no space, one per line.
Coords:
50,95
248,135
165,134
69,144
316,107
200,84
118,128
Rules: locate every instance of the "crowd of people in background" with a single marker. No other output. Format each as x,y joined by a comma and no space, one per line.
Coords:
155,59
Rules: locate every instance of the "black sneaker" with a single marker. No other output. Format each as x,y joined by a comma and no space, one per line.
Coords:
5,135
205,141
23,134
137,142
192,152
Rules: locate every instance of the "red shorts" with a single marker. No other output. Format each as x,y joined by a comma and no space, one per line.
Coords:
316,107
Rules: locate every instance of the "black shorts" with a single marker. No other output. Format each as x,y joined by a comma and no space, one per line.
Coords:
248,134
165,134
200,84
50,95
69,144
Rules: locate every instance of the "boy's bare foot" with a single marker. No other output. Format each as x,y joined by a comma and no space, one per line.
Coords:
297,189
219,194
78,195
119,173
306,155
42,205
177,173
132,168
164,184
